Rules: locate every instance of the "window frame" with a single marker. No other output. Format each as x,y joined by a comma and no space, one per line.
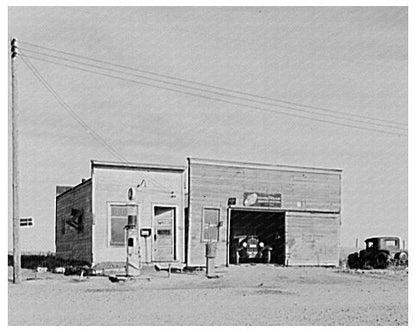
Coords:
203,223
109,217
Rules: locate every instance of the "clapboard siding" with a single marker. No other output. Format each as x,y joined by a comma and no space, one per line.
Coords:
111,185
318,191
73,244
211,184
312,239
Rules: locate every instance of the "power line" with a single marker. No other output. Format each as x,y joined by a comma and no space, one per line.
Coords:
73,114
217,99
212,92
70,111
218,88
256,108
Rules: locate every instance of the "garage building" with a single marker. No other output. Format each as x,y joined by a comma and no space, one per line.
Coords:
293,210
296,210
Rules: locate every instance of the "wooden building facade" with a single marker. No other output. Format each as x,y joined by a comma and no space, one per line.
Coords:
295,210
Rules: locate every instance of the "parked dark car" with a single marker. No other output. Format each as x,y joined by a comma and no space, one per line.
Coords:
379,253
251,249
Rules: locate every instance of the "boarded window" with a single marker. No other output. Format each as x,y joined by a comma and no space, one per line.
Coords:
210,223
118,219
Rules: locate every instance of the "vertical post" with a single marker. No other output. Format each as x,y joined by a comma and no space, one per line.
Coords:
126,237
145,248
210,253
227,256
356,243
404,244
17,278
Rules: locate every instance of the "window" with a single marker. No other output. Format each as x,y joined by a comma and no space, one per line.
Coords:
118,219
390,243
210,221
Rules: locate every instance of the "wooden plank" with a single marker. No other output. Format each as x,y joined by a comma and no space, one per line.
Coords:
312,239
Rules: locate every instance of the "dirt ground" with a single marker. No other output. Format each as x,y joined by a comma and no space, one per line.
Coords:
242,295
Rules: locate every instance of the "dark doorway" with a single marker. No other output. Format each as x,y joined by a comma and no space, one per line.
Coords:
267,228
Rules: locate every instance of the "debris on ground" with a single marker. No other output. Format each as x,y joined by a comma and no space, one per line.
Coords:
60,269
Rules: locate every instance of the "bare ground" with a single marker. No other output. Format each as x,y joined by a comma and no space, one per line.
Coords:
243,295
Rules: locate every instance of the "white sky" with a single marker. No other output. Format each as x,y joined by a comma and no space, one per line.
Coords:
346,59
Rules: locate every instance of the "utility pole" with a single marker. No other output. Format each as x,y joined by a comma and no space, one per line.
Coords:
17,277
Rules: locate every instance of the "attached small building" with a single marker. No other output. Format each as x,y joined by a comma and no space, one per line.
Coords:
91,216
297,209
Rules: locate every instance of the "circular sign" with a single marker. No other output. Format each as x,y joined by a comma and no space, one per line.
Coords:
251,199
131,193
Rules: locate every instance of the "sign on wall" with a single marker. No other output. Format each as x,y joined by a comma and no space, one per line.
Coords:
262,199
26,222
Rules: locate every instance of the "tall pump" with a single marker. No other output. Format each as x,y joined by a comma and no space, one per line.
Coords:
133,258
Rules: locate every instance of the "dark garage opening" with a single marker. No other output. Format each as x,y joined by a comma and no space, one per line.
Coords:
266,226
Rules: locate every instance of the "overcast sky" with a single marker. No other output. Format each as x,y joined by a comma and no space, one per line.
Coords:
350,60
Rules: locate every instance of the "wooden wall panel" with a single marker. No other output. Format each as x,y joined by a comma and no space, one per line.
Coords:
73,244
210,185
312,239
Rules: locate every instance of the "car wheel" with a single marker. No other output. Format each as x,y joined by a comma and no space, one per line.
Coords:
381,261
352,261
403,258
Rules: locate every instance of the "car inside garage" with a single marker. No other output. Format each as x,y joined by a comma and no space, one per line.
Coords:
257,236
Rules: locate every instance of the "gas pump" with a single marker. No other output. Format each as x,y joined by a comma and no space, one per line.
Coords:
133,259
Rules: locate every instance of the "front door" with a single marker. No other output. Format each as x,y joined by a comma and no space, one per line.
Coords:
164,237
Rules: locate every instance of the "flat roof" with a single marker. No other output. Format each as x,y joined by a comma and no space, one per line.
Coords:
382,237
263,166
128,165
86,181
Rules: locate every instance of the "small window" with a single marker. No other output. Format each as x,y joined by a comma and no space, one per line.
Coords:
390,243
118,219
210,222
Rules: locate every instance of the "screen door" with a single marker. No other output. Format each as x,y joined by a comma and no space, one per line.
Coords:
163,238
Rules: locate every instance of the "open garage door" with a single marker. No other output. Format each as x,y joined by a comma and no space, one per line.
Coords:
257,236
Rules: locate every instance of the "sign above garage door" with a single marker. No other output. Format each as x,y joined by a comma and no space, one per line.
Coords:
262,199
